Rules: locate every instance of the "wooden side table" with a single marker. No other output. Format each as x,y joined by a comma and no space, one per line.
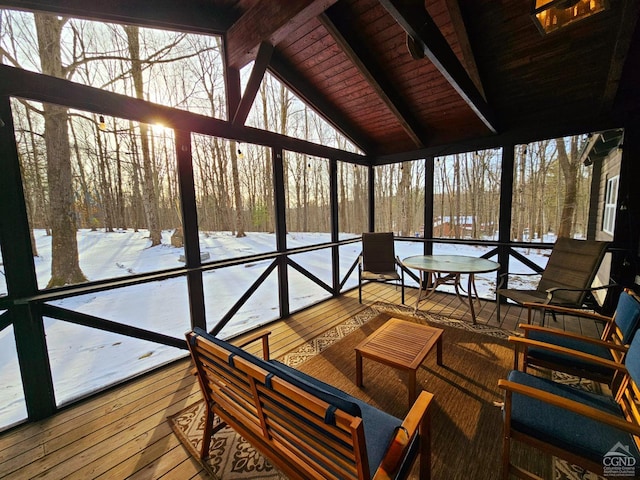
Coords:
400,344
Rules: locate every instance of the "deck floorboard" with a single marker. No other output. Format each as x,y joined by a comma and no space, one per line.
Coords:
123,432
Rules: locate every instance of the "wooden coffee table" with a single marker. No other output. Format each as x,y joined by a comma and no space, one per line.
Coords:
400,344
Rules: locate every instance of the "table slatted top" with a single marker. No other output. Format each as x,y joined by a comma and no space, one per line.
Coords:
400,343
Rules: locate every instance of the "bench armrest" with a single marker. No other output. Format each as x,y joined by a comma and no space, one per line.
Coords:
552,291
263,335
416,422
577,312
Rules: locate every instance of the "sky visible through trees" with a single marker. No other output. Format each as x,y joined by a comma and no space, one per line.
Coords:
84,171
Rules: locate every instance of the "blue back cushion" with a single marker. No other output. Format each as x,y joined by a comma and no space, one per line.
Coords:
627,316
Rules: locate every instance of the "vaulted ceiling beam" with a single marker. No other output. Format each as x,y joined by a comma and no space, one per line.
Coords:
418,24
628,21
200,16
336,23
271,22
460,30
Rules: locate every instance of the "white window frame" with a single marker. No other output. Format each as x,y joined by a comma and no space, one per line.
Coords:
610,204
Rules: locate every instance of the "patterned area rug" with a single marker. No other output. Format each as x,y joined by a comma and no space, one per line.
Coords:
232,458
328,338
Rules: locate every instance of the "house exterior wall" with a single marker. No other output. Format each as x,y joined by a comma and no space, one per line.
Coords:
610,168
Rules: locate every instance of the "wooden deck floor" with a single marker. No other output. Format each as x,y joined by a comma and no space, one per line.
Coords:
123,433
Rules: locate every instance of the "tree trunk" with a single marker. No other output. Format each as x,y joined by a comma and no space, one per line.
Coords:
403,194
65,264
149,196
569,168
237,194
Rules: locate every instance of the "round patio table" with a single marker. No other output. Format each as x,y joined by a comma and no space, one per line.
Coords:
446,270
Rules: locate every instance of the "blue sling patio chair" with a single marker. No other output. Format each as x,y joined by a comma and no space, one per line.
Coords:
566,280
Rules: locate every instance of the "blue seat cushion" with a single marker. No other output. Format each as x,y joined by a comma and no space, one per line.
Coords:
562,428
542,354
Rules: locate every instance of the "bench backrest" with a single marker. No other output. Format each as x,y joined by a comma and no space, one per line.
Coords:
303,434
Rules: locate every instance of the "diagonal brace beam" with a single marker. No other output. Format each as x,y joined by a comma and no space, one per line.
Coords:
270,22
257,74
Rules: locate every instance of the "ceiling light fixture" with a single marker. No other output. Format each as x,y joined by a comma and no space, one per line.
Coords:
552,15
415,49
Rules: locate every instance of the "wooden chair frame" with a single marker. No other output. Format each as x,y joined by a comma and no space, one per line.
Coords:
627,398
611,339
287,424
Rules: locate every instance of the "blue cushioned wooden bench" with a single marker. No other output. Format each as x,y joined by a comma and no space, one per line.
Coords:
306,428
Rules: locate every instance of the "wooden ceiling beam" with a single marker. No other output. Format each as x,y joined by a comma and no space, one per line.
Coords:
628,25
336,23
270,22
419,25
465,46
198,17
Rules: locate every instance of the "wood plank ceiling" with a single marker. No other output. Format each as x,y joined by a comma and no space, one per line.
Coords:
486,68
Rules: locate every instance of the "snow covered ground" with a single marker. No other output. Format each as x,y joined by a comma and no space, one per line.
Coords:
85,359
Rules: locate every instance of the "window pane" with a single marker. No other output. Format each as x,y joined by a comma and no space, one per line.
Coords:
399,198
466,195
308,200
278,110
234,195
175,69
408,249
611,200
224,287
348,256
85,359
12,405
102,194
3,281
353,194
551,189
304,291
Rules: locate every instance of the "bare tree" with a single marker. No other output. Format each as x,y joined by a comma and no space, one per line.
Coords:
65,264
237,194
150,199
569,164
404,193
